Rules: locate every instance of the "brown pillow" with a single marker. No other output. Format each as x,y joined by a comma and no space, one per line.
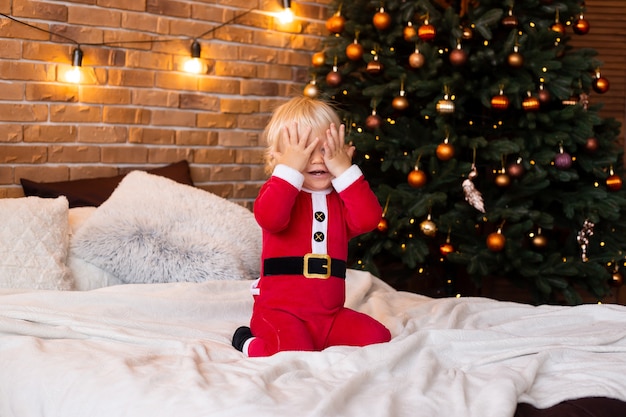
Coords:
95,191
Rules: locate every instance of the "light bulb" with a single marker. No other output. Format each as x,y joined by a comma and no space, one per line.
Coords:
194,63
286,15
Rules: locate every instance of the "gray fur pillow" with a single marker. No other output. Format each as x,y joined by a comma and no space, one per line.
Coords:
153,230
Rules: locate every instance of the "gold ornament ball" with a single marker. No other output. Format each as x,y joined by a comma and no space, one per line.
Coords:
445,106
318,59
445,151
558,27
510,21
614,183
381,20
544,95
311,90
429,228
333,79
416,60
409,33
400,103
354,51
503,180
374,67
383,225
617,279
515,60
600,85
336,23
540,241
531,104
417,178
496,241
446,249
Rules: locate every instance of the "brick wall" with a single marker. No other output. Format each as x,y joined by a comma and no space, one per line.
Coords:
136,108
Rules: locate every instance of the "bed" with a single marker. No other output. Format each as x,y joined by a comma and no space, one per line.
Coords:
128,308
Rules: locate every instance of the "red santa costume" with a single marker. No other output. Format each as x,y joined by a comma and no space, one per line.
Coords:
299,299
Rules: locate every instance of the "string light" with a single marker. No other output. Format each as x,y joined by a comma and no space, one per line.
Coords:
286,16
74,75
193,65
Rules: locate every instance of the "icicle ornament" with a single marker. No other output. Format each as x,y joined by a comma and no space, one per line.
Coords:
472,195
583,238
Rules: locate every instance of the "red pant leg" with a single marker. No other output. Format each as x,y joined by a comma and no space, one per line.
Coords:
351,328
276,331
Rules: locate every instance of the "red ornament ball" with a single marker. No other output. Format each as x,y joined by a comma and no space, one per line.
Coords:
591,145
333,79
531,104
581,26
617,279
446,249
543,95
427,32
500,102
614,182
515,170
600,85
374,67
417,178
383,225
373,122
515,60
458,57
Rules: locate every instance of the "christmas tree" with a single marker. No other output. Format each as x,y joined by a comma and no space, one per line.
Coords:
478,127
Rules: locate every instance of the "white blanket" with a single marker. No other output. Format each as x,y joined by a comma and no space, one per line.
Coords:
164,350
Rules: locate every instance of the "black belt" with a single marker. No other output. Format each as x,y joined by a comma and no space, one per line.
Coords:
312,265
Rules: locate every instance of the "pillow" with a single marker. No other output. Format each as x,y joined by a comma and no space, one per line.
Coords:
154,230
34,241
85,276
94,191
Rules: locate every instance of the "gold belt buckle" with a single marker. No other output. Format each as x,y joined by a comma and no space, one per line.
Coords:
308,274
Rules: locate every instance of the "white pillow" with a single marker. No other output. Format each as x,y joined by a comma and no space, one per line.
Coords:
86,276
34,239
153,229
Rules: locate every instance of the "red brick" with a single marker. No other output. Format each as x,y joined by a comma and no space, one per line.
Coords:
11,133
173,118
16,30
44,173
198,101
148,60
169,155
214,156
10,49
12,90
82,153
10,70
131,78
136,5
156,98
50,133
24,154
36,9
103,134
250,156
219,85
92,171
124,115
23,112
6,175
235,69
252,121
194,137
238,138
239,106
79,33
51,92
258,88
169,8
217,120
75,113
152,136
145,22
104,95
124,154
91,16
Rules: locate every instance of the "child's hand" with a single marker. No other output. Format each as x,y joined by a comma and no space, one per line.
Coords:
294,152
337,154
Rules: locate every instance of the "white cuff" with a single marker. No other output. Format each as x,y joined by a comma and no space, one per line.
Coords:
348,178
290,175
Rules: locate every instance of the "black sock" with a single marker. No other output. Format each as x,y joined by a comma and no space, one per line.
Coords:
241,335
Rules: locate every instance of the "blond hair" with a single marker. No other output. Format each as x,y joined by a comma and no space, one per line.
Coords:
306,112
